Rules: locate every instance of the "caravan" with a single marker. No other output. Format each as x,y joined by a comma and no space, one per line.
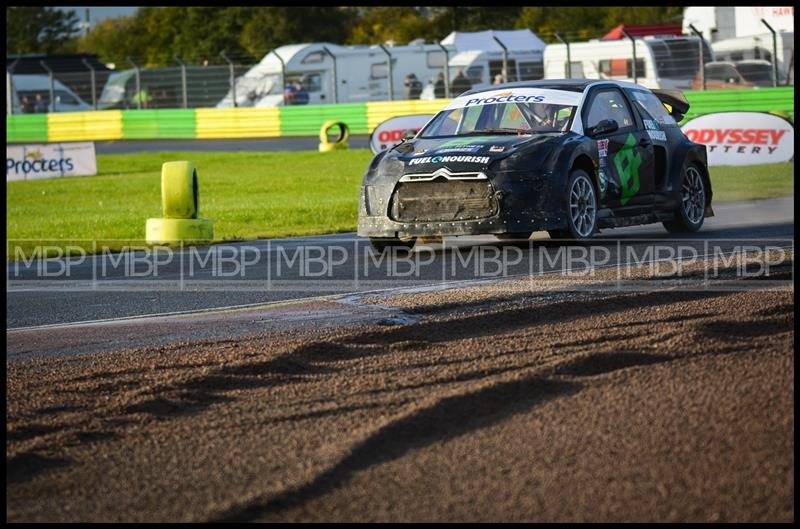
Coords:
661,62
331,73
362,72
480,57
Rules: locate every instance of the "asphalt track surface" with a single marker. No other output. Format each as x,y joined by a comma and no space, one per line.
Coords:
100,288
295,143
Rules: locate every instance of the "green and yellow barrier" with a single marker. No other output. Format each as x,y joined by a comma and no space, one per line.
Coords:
380,111
84,126
179,206
303,120
237,123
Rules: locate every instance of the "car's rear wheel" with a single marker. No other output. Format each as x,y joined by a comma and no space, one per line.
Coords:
581,209
690,214
380,244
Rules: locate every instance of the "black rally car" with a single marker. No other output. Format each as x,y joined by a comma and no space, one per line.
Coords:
566,156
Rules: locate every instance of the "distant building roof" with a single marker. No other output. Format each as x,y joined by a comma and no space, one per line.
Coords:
29,63
514,40
644,30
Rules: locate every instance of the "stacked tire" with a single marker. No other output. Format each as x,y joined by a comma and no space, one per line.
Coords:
180,221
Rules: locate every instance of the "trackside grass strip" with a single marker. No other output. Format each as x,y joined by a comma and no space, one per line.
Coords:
249,195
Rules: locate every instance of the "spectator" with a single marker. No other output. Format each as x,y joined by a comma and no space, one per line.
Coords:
413,86
41,105
289,94
460,84
142,97
439,91
300,94
27,105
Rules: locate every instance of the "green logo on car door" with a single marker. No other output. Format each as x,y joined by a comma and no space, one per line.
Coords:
627,164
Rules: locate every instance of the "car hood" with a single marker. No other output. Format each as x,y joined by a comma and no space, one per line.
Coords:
468,152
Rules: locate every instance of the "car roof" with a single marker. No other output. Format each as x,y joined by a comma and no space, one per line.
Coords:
35,82
569,85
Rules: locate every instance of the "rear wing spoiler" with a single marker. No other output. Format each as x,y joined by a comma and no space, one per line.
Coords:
675,102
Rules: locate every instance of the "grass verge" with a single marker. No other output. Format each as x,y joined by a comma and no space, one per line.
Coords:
249,195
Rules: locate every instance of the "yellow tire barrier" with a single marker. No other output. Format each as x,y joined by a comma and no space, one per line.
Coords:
340,143
167,231
179,202
179,190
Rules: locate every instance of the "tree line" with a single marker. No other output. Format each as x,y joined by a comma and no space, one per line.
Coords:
154,34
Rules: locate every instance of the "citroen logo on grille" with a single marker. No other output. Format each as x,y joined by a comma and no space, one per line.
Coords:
442,172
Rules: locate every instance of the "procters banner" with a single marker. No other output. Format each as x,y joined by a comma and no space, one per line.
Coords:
743,138
50,160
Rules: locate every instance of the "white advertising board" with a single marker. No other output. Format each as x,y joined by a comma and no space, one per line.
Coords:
742,138
390,132
50,160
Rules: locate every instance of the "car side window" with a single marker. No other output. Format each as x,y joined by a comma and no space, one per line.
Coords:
650,105
716,73
65,98
609,104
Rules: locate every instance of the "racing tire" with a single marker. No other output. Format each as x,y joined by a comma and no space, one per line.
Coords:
581,209
179,190
690,214
173,231
381,244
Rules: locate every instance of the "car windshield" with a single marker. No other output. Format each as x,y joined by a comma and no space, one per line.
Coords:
758,74
501,118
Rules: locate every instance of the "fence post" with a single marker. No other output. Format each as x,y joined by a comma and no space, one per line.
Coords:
774,53
183,80
10,88
232,77
283,69
569,57
505,59
635,72
92,78
335,76
391,77
138,83
52,87
446,70
702,59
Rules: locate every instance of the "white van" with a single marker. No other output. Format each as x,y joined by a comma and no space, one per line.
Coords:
480,57
362,73
759,47
661,62
25,88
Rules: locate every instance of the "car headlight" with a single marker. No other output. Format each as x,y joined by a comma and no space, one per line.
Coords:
391,168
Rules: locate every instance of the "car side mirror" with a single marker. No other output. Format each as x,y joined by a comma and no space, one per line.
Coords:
409,134
604,127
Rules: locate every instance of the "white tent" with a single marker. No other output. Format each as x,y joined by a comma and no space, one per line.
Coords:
515,40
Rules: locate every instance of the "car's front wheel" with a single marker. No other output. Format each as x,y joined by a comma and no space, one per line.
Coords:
581,209
381,244
690,214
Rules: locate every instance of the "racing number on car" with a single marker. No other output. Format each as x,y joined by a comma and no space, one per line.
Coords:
627,164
